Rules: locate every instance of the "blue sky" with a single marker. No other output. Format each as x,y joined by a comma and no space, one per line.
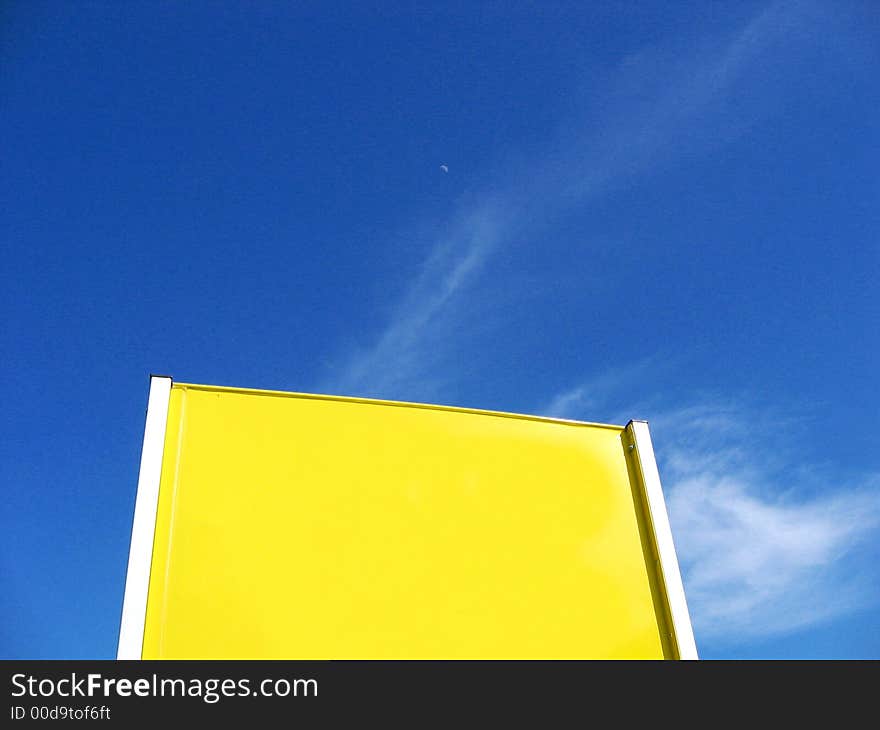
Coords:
654,210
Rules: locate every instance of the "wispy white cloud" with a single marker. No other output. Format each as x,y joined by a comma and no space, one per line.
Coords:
398,364
592,398
757,565
769,542
573,401
658,104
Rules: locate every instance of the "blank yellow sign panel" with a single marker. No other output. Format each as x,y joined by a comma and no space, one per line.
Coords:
311,527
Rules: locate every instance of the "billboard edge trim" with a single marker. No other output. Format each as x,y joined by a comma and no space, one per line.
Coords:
396,403
646,463
140,554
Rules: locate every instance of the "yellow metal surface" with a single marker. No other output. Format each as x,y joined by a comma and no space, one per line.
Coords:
310,527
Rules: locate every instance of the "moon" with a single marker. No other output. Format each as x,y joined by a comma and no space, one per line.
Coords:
445,168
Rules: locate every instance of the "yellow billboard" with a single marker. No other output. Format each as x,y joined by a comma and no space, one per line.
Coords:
296,526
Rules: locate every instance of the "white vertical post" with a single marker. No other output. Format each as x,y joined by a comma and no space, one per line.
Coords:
671,574
137,579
